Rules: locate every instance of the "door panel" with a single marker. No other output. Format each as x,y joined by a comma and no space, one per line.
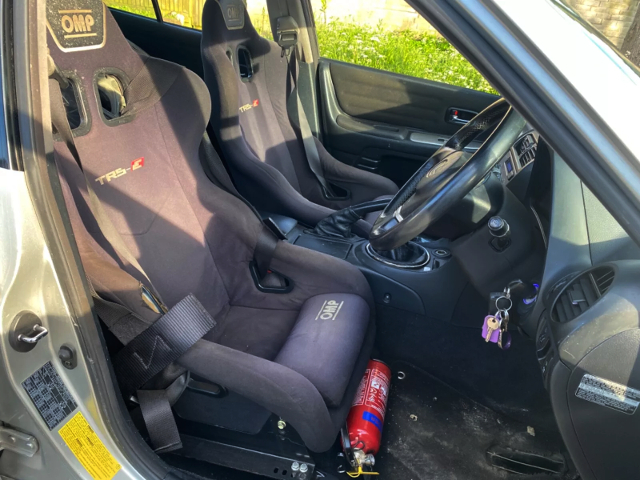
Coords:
389,123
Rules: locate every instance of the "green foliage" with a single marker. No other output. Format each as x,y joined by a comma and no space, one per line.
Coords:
408,52
138,10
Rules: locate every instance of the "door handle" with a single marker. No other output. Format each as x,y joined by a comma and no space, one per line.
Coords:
459,116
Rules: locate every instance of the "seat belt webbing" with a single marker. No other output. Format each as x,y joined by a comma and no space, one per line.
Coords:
308,140
162,343
159,420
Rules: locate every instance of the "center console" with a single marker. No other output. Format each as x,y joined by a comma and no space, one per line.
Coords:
420,277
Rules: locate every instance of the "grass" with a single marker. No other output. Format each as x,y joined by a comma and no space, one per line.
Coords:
121,5
418,54
408,52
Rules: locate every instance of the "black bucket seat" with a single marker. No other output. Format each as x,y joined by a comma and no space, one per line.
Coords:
298,352
253,102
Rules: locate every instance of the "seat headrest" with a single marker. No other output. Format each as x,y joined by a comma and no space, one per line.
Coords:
90,57
219,29
233,12
77,25
86,42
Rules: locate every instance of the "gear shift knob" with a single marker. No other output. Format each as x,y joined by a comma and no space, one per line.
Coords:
499,229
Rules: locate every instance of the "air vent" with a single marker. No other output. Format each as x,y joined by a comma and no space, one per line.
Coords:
526,150
581,293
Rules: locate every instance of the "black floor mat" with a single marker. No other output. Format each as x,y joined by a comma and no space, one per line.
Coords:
507,381
432,432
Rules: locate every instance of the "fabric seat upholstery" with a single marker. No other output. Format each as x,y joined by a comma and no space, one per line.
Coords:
319,345
258,140
192,237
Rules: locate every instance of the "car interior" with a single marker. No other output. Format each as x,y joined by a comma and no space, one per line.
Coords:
309,269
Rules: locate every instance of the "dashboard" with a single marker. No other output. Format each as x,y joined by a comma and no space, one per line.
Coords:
519,156
585,322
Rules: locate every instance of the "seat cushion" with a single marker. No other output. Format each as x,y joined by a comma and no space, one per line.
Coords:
325,341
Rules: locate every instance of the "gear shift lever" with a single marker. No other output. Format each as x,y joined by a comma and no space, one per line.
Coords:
339,223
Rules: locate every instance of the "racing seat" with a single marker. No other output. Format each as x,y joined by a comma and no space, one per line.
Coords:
253,104
296,347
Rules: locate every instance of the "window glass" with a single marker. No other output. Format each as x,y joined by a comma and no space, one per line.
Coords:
139,7
390,35
260,17
188,13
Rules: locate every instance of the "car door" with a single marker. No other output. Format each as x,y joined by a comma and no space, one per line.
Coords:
391,96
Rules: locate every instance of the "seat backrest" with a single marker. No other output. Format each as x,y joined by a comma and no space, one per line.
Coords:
145,168
249,108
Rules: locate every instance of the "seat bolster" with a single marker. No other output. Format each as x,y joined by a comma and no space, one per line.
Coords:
364,186
325,342
279,389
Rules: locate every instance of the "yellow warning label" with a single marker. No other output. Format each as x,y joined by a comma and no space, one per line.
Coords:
88,449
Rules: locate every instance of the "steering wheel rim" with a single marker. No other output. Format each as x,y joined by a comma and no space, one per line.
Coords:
446,177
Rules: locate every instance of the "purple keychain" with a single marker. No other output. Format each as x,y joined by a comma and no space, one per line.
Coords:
491,329
494,329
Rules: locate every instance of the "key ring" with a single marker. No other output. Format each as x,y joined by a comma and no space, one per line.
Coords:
502,316
504,309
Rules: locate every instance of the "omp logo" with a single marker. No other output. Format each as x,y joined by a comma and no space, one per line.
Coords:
329,310
77,23
249,106
233,12
438,168
118,172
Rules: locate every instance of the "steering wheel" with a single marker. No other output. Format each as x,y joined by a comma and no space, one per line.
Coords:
449,175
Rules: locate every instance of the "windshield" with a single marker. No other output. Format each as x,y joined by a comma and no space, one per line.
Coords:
597,70
625,38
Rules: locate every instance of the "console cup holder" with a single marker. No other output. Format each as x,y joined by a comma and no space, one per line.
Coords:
408,256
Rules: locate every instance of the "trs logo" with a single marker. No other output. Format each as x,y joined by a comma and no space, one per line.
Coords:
329,310
77,23
118,172
249,106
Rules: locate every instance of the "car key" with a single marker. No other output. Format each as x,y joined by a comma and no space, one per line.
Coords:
491,329
504,338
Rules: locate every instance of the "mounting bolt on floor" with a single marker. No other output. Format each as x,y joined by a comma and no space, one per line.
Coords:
282,424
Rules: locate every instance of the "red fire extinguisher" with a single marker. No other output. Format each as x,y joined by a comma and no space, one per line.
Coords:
366,418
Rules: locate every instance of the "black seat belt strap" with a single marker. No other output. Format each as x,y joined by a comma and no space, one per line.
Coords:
287,37
159,420
166,340
266,245
135,366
